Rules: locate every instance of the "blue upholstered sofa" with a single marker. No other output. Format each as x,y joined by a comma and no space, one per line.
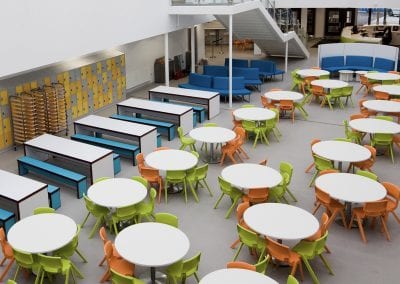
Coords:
267,68
251,75
242,63
356,62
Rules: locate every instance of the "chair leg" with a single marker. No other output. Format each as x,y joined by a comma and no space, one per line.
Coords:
2,261
81,255
194,192
316,208
313,178
6,269
310,270
208,188
222,159
326,264
383,222
76,270
102,261
96,227
219,200
396,216
105,276
228,214
166,192
291,194
237,252
234,244
361,228
309,167
84,221
232,158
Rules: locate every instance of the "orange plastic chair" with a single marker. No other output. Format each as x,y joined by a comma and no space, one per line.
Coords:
284,255
153,177
266,103
392,197
274,102
316,67
394,72
367,164
357,116
236,123
104,238
140,161
366,112
263,162
7,253
328,171
230,149
287,105
274,89
306,85
317,92
239,217
242,134
381,95
241,265
364,84
117,264
331,205
375,209
256,195
312,165
161,148
396,140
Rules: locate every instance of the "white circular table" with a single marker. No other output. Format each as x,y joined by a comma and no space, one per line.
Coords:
236,276
392,90
380,76
212,135
341,151
284,95
117,192
254,114
42,233
329,84
281,221
346,75
152,245
248,175
312,72
171,160
358,73
382,105
373,125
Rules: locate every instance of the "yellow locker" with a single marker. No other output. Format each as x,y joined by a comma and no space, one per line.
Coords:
27,87
99,68
108,62
34,84
122,58
19,89
60,78
47,80
104,75
3,98
85,107
8,140
7,124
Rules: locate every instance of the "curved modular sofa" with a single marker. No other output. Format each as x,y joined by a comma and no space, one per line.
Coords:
355,63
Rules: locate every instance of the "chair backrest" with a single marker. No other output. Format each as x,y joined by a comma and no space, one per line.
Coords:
247,106
240,210
108,251
323,224
336,92
264,101
322,196
277,250
384,117
249,124
142,180
247,237
316,67
240,131
103,235
100,179
285,167
150,174
348,90
176,175
372,150
286,104
51,264
263,162
320,243
5,246
375,208
161,148
322,163
342,139
23,258
118,278
43,210
197,155
241,265
261,266
393,191
379,95
167,218
292,280
357,116
140,159
314,141
328,171
180,132
126,211
367,174
191,265
317,90
201,172
225,186
274,90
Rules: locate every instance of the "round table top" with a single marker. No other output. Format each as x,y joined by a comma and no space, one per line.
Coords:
373,125
393,90
254,113
42,233
382,105
380,76
152,244
236,276
350,187
312,72
361,72
212,134
117,192
329,84
171,160
284,95
281,221
247,175
341,151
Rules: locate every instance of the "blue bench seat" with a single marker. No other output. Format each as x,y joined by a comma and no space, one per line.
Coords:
199,110
165,128
54,195
26,164
123,149
7,219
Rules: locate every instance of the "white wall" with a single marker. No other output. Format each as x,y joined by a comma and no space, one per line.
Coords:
41,32
337,3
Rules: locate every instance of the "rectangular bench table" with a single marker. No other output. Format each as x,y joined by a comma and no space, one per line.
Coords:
179,115
144,135
21,195
209,100
94,162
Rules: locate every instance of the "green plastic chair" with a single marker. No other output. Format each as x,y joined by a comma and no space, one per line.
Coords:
261,266
247,106
324,77
367,174
54,265
272,124
118,278
251,240
204,145
68,250
9,281
127,213
277,193
99,212
199,177
234,193
26,261
292,280
186,141
141,180
385,140
355,136
146,209
300,105
309,250
320,165
297,81
258,130
343,139
43,210
167,218
384,117
334,95
178,177
286,170
388,82
100,179
181,270
347,93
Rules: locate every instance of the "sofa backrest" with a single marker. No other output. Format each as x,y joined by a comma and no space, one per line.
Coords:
222,83
247,73
361,61
244,63
332,61
199,80
383,63
215,70
263,65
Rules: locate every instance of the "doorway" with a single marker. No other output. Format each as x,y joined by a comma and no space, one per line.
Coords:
336,19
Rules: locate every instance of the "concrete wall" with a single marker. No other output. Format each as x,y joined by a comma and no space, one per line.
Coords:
319,23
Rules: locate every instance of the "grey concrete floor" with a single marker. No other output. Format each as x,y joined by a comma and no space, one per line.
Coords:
208,230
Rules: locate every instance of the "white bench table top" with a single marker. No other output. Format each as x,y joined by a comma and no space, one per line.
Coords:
236,276
155,106
341,151
16,187
185,92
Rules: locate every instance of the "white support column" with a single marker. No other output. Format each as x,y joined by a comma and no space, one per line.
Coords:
193,49
230,59
286,55
166,59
